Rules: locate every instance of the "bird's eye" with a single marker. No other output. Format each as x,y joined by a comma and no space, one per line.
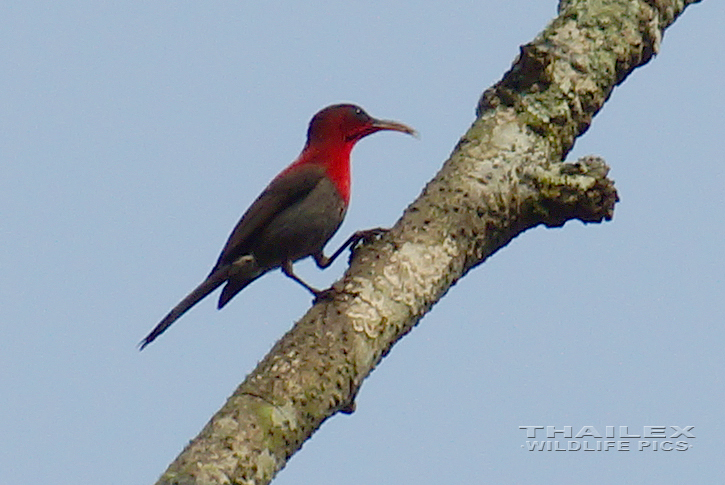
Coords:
361,115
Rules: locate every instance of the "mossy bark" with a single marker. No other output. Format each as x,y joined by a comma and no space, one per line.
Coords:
505,175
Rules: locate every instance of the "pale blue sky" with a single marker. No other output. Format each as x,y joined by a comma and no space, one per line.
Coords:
134,135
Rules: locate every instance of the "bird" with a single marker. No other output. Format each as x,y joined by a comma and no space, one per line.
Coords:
295,215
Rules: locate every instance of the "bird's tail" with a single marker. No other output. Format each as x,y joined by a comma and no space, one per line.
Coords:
211,283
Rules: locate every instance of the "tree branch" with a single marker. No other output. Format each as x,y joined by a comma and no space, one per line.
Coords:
505,176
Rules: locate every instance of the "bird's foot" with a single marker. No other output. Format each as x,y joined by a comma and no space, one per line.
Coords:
365,237
322,295
369,235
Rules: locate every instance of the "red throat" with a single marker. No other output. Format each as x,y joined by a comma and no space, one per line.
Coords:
334,158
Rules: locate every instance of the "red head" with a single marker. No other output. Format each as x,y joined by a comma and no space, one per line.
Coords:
333,132
345,124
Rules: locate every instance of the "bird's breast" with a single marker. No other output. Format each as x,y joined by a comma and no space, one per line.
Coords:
303,228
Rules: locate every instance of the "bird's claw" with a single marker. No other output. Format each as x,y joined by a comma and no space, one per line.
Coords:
368,235
365,237
321,295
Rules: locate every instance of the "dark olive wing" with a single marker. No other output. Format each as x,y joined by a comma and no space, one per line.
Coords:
282,192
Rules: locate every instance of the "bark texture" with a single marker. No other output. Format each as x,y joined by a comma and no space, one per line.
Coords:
505,175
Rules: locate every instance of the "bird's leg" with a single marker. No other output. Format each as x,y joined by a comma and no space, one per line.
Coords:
287,270
323,261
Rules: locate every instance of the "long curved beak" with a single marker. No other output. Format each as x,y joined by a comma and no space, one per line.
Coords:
379,125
